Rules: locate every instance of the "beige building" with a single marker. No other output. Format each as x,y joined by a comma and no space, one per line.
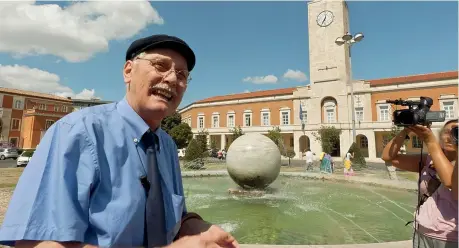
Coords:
79,104
326,101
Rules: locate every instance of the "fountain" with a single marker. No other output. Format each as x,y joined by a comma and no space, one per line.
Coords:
269,207
303,211
253,162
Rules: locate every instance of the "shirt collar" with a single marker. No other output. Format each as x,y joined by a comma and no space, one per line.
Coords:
137,125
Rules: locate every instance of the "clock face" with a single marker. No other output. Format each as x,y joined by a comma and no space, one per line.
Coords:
325,18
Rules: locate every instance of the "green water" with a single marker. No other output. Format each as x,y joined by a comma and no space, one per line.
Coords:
305,212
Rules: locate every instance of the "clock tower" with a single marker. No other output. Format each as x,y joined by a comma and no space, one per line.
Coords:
328,20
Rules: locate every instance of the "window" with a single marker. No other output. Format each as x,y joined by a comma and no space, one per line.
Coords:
330,116
201,122
416,142
18,104
248,119
230,120
329,110
15,124
285,117
56,108
265,120
42,106
363,142
215,121
305,117
187,120
359,114
64,109
384,113
48,124
14,142
448,107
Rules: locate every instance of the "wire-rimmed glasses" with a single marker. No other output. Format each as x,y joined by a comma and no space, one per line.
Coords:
164,68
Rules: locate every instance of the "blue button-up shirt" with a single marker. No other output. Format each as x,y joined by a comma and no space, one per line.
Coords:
82,183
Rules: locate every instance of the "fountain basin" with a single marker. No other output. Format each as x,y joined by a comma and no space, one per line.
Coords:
304,212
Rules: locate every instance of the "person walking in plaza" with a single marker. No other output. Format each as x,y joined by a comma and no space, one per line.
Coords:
309,156
436,218
326,164
109,176
348,171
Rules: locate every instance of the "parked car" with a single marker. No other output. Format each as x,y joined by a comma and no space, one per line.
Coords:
8,153
24,159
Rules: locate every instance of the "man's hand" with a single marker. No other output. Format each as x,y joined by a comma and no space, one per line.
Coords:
215,237
219,236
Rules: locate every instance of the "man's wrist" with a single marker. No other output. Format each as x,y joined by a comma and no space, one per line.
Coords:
192,224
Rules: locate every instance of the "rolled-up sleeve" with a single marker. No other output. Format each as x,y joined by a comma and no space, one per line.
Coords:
51,199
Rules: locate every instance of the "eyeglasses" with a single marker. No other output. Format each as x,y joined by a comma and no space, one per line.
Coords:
163,68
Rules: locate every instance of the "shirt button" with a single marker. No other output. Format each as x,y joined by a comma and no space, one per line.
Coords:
136,140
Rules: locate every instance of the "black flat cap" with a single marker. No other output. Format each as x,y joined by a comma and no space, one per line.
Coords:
162,41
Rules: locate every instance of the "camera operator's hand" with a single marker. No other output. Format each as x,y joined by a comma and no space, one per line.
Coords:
423,132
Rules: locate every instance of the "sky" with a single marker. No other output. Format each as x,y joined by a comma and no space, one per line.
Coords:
77,49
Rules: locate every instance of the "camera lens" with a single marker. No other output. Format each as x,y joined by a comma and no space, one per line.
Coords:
454,131
454,134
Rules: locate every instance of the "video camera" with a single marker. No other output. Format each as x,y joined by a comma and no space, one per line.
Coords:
418,112
454,133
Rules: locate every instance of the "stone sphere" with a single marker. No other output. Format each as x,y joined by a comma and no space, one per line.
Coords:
253,161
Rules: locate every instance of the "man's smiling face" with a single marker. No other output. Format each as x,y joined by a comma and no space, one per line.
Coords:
156,81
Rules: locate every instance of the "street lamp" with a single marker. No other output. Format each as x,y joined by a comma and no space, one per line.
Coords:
350,40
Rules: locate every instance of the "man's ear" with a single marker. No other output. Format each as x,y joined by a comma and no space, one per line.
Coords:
127,71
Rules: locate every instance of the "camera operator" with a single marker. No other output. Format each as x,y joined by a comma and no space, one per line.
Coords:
436,219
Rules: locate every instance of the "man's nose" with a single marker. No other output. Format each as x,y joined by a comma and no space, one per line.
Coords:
171,78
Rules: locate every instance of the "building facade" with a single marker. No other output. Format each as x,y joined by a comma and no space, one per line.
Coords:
25,116
84,103
326,101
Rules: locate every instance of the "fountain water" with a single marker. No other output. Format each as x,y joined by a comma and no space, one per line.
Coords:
268,209
300,211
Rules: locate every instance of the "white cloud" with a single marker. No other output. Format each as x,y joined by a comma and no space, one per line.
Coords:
270,79
74,33
297,75
33,79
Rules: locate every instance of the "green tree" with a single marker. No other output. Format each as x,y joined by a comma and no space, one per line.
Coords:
328,137
201,138
289,153
194,155
236,132
213,145
181,134
358,162
170,122
276,136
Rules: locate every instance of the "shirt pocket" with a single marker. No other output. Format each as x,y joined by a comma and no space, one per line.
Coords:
173,228
178,203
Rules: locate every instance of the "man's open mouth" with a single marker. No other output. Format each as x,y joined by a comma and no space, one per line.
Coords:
162,93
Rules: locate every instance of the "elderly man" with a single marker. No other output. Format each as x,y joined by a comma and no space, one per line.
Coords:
108,175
